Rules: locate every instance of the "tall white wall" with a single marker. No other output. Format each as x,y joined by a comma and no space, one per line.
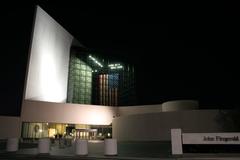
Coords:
157,126
10,127
36,111
49,60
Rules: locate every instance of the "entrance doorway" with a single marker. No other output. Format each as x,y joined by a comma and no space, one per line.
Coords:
89,134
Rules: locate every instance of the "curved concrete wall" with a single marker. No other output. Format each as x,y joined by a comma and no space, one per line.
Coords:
49,59
178,105
131,110
156,126
36,111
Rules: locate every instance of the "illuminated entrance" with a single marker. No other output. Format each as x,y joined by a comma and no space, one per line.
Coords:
86,134
60,130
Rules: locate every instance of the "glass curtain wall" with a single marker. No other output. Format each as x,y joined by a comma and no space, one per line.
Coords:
79,82
92,80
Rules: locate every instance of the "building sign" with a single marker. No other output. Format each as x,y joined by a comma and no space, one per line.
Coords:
211,138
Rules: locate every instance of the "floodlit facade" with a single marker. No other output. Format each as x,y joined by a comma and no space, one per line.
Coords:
72,91
61,70
71,88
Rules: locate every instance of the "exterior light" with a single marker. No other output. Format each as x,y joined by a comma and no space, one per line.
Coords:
95,61
115,66
40,130
119,66
109,134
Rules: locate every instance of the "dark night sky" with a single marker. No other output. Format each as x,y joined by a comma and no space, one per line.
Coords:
179,52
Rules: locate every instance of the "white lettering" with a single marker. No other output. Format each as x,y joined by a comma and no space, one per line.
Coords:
207,138
226,139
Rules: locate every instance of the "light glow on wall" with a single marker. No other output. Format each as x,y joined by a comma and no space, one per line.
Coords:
67,113
95,117
51,88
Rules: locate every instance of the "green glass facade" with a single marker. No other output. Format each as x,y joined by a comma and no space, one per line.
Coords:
79,81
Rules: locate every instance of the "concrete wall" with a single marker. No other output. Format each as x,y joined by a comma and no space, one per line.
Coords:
10,127
36,111
49,59
156,126
132,110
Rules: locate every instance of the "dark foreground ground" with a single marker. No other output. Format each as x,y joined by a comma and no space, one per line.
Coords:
4,156
126,150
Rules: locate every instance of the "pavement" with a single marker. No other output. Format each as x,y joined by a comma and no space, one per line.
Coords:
126,151
13,156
